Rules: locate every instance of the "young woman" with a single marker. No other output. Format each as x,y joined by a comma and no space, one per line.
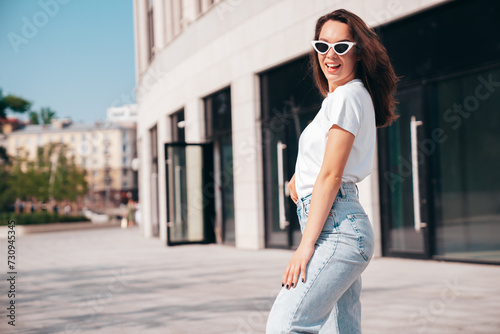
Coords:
322,282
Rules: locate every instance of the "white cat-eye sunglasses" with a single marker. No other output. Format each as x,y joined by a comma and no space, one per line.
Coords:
340,48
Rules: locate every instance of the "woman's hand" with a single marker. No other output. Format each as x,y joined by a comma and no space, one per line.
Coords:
293,191
297,265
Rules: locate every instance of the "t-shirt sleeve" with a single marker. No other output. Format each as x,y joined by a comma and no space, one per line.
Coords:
345,111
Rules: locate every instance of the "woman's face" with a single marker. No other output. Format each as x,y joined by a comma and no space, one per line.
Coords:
333,32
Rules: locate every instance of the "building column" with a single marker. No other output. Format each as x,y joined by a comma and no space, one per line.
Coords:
163,136
247,163
141,38
159,25
145,183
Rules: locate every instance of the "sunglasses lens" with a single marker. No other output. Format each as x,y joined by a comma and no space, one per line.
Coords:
341,48
321,47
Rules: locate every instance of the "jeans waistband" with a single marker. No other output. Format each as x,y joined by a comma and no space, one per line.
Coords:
344,189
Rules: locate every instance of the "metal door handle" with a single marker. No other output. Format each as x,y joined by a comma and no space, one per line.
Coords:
178,195
281,186
415,176
168,167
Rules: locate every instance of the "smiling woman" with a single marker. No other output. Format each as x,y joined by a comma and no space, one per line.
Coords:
336,150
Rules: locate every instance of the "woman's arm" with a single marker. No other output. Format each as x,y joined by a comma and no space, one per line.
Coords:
326,187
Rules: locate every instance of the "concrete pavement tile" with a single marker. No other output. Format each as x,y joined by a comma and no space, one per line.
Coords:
115,281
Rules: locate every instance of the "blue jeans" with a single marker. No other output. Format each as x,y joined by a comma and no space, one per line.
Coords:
328,301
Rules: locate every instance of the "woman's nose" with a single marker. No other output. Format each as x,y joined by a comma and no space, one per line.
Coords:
331,53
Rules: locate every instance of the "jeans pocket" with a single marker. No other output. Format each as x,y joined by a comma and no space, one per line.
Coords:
362,227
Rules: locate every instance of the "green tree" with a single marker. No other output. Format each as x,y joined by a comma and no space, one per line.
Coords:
69,182
4,157
41,180
34,119
46,115
5,198
13,103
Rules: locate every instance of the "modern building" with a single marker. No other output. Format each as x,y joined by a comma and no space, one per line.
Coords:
126,114
104,149
224,91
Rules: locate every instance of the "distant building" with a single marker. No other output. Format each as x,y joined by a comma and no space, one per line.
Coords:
10,124
104,149
125,114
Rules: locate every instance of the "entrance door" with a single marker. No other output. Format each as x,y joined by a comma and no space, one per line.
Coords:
190,193
226,186
218,131
289,101
404,188
281,136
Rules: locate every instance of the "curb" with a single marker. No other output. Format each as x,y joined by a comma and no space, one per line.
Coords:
55,227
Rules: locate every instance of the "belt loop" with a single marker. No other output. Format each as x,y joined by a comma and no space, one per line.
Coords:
342,190
357,190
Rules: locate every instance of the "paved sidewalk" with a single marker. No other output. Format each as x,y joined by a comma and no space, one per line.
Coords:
55,227
111,280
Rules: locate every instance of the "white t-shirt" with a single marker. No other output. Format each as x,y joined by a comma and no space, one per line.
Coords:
349,106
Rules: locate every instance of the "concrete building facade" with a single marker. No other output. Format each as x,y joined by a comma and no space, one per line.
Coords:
223,92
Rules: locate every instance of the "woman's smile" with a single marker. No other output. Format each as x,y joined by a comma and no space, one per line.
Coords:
332,67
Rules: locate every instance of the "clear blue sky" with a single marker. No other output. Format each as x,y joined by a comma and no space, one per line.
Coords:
79,62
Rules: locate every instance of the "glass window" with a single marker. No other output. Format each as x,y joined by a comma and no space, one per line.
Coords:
218,113
150,23
469,166
177,123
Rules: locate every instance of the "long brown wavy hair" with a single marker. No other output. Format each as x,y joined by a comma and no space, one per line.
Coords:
374,67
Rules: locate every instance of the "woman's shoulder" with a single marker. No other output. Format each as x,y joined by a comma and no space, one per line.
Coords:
354,88
354,92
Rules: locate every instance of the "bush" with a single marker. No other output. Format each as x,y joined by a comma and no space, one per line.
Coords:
38,218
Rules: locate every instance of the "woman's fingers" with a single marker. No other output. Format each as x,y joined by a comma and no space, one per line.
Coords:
291,276
289,280
295,277
284,281
288,276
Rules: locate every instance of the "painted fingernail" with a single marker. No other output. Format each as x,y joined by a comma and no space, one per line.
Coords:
287,286
282,284
303,280
292,284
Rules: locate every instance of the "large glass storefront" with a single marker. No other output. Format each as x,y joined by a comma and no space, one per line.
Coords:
199,177
469,165
440,162
289,102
